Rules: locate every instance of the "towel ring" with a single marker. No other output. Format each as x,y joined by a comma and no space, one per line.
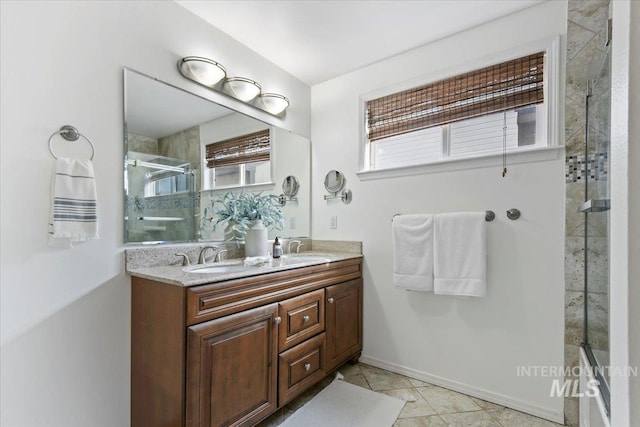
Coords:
70,133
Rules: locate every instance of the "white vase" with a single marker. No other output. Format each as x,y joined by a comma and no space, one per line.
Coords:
255,240
231,233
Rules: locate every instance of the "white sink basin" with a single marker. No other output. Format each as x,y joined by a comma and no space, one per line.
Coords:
302,257
226,268
238,266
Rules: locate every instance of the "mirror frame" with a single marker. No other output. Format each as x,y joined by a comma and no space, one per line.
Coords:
339,179
295,186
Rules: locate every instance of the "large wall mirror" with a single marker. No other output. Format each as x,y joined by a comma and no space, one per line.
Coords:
171,137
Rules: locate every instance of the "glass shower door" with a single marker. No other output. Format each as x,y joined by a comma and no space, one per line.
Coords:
596,223
161,199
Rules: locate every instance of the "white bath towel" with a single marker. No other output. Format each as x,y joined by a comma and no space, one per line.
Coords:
73,216
460,254
413,252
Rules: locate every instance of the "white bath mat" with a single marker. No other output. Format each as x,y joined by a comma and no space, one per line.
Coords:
342,404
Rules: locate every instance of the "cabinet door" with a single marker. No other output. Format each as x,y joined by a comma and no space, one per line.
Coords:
232,369
343,322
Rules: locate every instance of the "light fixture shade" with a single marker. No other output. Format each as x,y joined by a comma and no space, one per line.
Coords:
205,71
274,103
242,88
213,75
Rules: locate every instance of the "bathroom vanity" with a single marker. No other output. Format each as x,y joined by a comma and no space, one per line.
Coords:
230,349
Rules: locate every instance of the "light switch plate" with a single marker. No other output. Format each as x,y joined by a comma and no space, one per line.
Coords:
333,222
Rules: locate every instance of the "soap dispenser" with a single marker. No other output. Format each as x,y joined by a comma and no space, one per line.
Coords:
277,249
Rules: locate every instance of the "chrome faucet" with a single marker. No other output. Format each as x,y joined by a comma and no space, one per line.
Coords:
185,259
298,242
203,252
219,255
298,247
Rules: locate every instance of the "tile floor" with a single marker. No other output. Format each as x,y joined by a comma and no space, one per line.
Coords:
426,405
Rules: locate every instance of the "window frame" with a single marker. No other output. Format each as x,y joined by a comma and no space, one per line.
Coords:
208,174
552,136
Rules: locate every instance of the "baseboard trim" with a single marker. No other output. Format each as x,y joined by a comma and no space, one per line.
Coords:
479,393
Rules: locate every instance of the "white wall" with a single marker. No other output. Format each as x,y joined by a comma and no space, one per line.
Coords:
65,313
474,345
625,211
292,156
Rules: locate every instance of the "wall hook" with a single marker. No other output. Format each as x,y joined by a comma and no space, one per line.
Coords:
513,214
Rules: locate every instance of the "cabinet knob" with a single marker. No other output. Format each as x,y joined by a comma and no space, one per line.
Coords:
330,300
306,318
278,320
307,366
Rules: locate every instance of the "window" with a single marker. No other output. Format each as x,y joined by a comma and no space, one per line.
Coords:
478,113
239,161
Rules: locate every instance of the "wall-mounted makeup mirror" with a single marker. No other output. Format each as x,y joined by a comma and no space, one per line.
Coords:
334,182
169,180
290,187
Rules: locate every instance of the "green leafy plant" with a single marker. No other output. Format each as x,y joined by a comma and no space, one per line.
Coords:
237,210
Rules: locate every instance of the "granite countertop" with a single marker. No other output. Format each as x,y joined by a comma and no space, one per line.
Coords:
184,276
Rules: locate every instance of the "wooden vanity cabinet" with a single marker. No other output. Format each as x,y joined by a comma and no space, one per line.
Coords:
231,353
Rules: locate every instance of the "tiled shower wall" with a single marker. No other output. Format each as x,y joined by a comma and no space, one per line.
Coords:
183,145
586,36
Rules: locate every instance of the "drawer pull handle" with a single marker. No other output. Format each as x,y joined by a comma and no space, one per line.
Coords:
330,300
278,320
307,366
306,318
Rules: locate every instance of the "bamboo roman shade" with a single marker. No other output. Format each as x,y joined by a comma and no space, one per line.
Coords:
253,147
492,89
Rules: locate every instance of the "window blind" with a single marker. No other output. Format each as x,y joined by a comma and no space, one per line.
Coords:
483,135
423,146
492,89
252,147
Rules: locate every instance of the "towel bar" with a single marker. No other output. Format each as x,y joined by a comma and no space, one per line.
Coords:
489,216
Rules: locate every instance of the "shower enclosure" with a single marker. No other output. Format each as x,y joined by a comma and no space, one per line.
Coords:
596,223
161,199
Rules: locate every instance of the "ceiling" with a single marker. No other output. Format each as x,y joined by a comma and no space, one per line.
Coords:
317,40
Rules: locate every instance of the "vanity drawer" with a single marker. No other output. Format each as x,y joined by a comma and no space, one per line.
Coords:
301,317
300,367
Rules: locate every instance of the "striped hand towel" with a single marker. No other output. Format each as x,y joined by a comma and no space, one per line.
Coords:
73,217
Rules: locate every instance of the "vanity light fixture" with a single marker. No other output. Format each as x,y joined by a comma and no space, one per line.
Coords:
273,103
242,88
213,75
205,71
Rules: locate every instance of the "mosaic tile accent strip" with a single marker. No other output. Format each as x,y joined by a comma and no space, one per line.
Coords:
173,201
576,168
